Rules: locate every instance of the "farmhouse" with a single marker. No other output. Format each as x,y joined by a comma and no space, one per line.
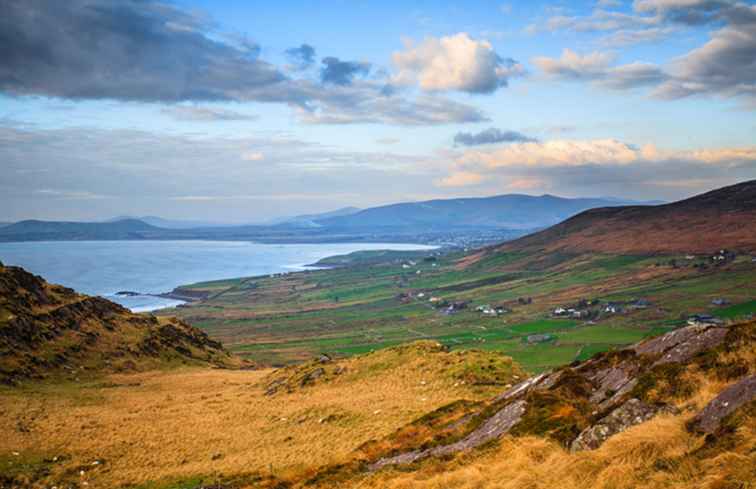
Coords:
703,320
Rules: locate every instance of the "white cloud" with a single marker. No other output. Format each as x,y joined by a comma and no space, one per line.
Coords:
596,67
616,167
460,179
253,156
552,153
575,66
453,63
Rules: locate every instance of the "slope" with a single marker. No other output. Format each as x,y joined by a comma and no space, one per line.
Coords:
722,218
49,331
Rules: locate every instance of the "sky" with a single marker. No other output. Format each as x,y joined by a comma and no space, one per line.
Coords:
239,112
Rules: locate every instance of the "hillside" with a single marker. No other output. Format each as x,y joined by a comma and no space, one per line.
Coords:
503,211
164,223
51,331
673,411
722,218
33,230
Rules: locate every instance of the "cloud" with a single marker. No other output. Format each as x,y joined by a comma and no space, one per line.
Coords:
153,52
572,65
253,156
454,63
596,67
490,136
618,168
553,153
301,57
346,108
138,50
69,195
205,114
723,66
460,179
649,20
691,12
599,20
154,173
342,72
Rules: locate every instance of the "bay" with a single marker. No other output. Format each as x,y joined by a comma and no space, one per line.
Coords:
151,267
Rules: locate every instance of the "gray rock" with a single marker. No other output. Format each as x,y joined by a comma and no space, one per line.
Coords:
682,344
631,413
730,399
313,376
494,427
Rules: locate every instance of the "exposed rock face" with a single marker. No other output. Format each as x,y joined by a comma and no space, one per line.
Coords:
493,428
584,404
46,328
629,414
727,402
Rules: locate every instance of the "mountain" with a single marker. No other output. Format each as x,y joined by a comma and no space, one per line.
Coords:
171,223
33,230
722,218
312,220
511,211
48,330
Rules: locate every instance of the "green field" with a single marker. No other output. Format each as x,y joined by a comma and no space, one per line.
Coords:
370,302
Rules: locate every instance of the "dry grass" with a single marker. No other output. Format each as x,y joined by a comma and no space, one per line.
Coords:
150,426
658,454
651,455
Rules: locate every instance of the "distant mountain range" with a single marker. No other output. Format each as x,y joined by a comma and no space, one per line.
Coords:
313,220
722,218
510,211
403,222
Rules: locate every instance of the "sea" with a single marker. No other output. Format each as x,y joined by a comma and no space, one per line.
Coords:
152,267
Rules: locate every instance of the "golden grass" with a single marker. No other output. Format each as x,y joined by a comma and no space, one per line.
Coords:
149,426
630,460
657,454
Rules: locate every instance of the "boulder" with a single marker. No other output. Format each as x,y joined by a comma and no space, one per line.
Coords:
730,399
629,414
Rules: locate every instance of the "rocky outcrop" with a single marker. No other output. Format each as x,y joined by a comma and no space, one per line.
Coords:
728,401
629,414
46,329
584,404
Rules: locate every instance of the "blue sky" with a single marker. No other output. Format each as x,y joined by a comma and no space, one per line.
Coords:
194,109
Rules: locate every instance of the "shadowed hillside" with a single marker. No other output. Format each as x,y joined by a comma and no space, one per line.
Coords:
48,330
722,218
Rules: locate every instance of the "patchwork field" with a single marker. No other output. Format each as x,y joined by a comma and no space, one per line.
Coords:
371,304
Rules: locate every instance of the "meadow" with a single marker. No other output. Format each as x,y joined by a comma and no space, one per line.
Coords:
366,304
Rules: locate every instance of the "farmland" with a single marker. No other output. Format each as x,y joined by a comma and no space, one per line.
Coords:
370,304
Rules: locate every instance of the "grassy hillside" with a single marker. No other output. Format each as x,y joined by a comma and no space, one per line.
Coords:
227,429
722,218
51,332
345,311
176,428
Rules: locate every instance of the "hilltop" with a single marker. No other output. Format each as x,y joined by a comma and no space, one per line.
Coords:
50,331
722,218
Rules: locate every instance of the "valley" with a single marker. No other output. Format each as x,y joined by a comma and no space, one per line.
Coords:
524,364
